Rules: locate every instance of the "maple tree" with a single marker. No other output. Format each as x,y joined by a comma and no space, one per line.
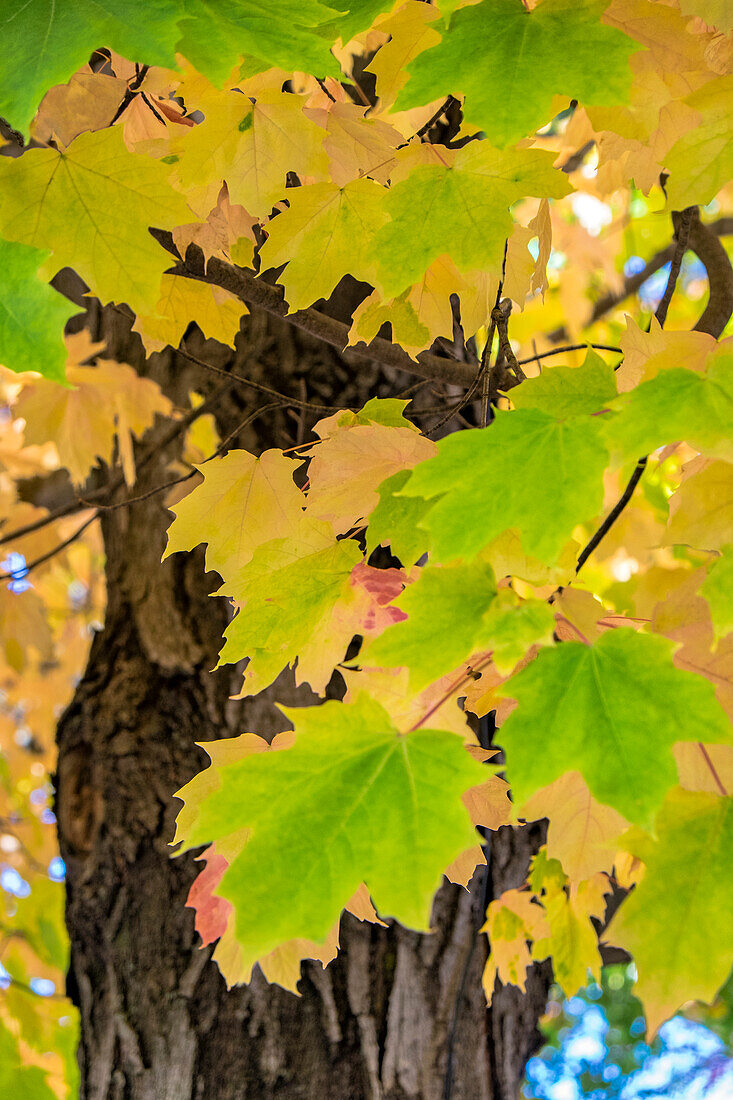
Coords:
476,626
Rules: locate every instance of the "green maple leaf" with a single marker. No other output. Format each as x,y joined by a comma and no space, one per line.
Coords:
92,205
324,235
717,588
460,209
569,391
352,801
676,404
32,314
677,922
395,521
445,608
293,35
46,41
511,626
510,63
611,711
526,471
288,592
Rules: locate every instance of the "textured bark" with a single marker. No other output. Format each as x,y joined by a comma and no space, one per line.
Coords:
398,1015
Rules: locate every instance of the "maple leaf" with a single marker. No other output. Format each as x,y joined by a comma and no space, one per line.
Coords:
468,197
611,711
676,404
676,923
510,64
48,42
323,235
582,833
475,474
216,312
717,588
287,593
706,146
250,146
110,196
444,609
105,402
409,784
701,511
213,913
646,353
511,920
356,146
32,314
569,391
241,503
283,35
352,460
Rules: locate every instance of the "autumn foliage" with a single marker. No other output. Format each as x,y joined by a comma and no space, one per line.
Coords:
536,524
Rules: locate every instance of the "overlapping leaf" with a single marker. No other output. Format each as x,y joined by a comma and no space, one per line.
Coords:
510,63
32,314
458,206
476,477
110,196
611,711
676,923
409,783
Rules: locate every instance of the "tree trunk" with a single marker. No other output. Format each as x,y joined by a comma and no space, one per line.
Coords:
397,1015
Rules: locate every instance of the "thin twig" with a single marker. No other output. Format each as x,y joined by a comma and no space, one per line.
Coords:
49,554
613,514
682,234
569,347
282,397
132,500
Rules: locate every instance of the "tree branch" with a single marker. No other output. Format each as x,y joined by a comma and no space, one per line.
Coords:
613,514
723,227
249,288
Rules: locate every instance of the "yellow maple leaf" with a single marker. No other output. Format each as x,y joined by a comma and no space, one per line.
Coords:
250,146
107,402
324,235
646,353
701,162
582,833
110,196
241,503
216,312
511,921
701,511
